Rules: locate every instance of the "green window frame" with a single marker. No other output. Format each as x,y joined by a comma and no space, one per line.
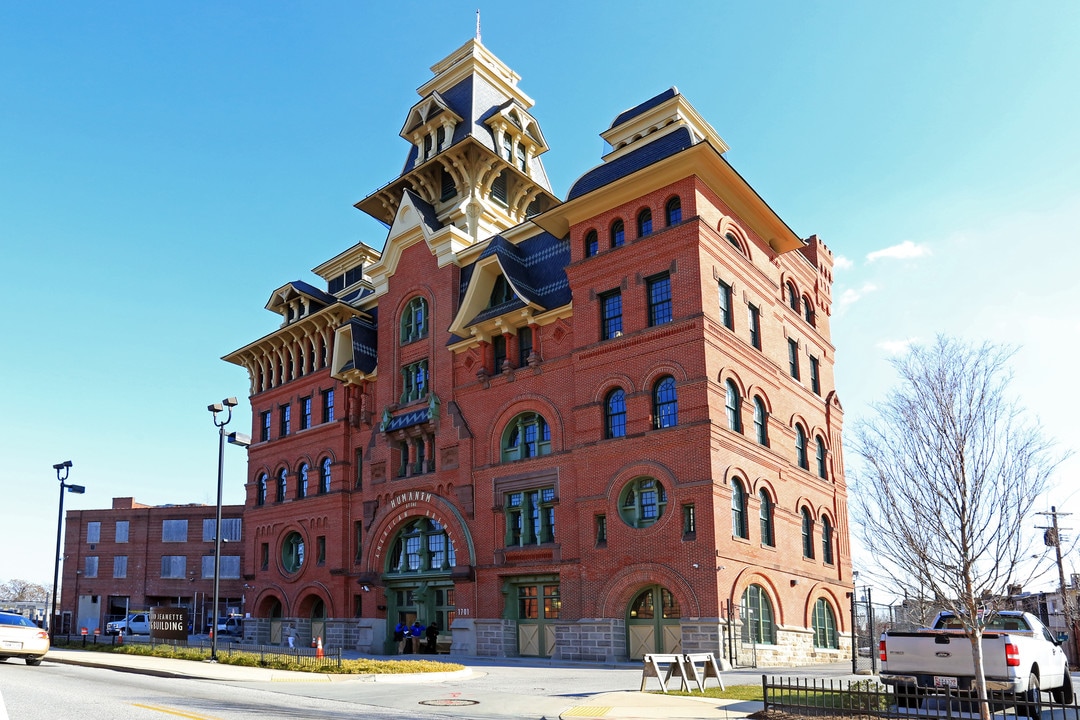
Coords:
421,546
758,625
642,502
530,517
414,381
414,321
527,435
740,528
824,625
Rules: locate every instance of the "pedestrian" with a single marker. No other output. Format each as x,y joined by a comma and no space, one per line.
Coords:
416,632
399,637
292,636
432,635
406,634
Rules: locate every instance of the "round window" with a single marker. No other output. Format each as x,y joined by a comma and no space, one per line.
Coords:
292,552
642,502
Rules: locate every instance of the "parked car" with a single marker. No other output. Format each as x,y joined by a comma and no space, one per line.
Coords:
20,637
1021,660
133,624
231,626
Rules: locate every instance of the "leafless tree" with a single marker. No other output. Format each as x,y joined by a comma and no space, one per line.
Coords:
950,471
22,591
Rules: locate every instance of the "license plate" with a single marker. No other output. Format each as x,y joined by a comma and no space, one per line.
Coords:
9,645
944,681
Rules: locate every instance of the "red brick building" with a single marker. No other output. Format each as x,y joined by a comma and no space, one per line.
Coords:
134,557
584,429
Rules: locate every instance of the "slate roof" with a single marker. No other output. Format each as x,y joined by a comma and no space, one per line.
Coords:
534,267
647,105
364,346
427,212
649,153
311,291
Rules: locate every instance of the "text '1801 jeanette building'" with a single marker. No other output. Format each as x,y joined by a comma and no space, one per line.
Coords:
585,429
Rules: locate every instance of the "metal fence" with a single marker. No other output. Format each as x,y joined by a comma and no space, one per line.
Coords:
818,697
306,657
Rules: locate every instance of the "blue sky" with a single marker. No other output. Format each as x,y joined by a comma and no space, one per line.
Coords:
165,166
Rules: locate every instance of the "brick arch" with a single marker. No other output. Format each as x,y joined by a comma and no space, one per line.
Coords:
727,225
399,508
821,590
728,373
753,576
758,390
676,370
265,599
639,468
762,483
308,594
530,402
804,501
609,383
618,591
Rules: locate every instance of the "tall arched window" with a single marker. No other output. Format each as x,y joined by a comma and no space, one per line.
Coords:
824,624
302,481
260,490
765,512
792,296
282,485
665,403
526,436
808,310
615,414
819,455
592,243
734,407
673,211
807,534
324,476
739,525
618,234
644,222
414,321
757,617
421,546
761,427
826,540
800,447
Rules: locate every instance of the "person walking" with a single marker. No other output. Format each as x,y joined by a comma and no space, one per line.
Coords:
432,635
399,636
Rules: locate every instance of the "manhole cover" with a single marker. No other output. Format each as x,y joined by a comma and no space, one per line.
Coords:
450,701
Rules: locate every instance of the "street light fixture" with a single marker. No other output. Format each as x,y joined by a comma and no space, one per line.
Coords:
62,470
234,438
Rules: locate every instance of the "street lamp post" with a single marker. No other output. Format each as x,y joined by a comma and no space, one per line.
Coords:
62,470
234,438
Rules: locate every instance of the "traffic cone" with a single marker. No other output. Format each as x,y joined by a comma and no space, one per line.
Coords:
318,649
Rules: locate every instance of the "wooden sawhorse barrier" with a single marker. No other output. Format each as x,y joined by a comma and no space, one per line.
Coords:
664,667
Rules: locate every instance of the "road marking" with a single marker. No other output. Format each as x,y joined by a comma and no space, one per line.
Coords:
168,711
593,711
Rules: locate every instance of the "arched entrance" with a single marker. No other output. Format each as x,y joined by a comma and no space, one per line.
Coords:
417,576
652,623
271,608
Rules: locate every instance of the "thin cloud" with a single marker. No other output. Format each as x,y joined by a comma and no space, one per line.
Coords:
853,295
896,347
904,251
842,263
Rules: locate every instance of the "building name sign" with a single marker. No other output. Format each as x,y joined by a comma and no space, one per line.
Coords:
169,623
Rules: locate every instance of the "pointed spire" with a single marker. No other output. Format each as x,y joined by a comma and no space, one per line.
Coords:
477,24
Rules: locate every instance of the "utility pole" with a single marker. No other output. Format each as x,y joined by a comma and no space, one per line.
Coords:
1052,538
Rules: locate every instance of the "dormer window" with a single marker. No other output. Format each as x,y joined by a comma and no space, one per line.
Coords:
522,161
501,293
508,147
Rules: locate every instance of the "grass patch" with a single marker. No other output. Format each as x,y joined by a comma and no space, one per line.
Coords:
276,661
733,692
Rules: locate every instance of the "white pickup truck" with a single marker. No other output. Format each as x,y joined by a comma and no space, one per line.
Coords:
1021,659
133,624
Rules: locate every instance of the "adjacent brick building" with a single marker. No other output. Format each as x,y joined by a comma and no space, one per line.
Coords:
585,429
134,557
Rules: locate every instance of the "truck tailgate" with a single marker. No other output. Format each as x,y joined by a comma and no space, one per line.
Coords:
942,653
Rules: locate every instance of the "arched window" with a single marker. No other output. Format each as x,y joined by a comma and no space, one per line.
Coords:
526,436
819,454
734,407
800,447
765,512
324,476
824,624
808,310
761,425
673,211
414,321
644,222
618,234
615,414
592,243
730,237
421,546
642,502
501,292
665,403
757,617
807,534
739,525
792,296
826,540
260,490
282,485
302,484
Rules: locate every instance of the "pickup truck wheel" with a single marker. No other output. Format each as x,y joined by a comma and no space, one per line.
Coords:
1031,705
1064,694
33,661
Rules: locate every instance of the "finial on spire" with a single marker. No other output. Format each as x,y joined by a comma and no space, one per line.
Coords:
477,24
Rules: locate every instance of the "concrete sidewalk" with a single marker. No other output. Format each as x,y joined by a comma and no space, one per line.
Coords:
623,705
